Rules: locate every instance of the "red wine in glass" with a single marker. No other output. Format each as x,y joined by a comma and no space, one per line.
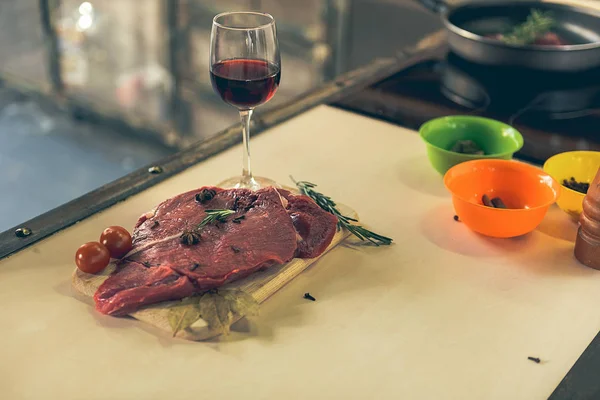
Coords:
245,83
245,69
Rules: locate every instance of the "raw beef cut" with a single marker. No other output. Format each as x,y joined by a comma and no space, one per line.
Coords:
228,251
268,227
315,226
135,285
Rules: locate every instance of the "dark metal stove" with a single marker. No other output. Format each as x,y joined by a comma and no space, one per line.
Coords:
555,112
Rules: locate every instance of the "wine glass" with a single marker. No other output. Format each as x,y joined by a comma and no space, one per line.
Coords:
245,69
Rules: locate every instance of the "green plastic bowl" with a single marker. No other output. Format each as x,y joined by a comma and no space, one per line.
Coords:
495,138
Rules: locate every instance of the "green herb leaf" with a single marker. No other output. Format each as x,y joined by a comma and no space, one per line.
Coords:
183,315
537,24
215,215
219,309
327,204
191,237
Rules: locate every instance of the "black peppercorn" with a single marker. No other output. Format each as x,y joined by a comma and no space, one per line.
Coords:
309,297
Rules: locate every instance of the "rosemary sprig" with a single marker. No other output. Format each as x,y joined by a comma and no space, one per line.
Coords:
215,215
327,204
537,23
191,237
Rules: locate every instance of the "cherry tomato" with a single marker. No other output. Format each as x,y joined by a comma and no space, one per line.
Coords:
92,257
117,240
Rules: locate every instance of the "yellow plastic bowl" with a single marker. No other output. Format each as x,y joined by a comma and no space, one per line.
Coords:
581,165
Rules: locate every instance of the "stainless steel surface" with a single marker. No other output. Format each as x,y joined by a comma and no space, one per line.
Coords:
465,23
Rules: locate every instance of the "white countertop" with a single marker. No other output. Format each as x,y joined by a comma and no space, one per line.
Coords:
441,314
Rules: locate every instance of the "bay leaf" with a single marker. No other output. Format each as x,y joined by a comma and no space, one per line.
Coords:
183,314
242,303
219,309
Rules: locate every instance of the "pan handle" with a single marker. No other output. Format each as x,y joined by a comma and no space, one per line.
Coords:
437,6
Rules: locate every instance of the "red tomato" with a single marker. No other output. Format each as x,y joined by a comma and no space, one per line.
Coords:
92,257
117,240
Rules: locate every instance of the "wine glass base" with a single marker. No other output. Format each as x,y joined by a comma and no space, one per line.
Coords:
240,182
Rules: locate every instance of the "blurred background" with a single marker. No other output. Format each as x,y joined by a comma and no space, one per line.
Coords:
92,90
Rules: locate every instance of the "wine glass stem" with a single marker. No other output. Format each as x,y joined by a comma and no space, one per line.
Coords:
245,116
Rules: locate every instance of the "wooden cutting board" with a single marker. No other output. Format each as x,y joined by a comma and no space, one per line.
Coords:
260,285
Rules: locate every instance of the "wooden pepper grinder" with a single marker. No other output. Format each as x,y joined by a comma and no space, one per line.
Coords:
587,245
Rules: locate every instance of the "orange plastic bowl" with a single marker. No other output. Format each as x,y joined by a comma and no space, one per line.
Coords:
526,190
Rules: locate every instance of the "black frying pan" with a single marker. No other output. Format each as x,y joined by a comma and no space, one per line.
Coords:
468,24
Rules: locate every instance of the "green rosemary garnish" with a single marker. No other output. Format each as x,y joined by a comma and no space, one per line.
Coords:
537,23
215,216
327,204
192,237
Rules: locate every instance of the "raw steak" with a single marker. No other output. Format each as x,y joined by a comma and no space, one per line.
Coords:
315,226
271,227
135,285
